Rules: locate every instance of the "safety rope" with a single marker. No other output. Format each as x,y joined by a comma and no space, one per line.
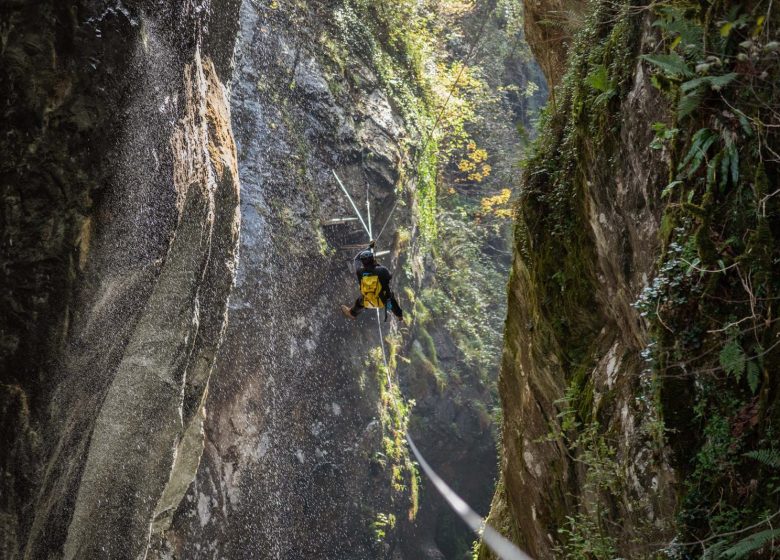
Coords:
387,221
352,202
368,214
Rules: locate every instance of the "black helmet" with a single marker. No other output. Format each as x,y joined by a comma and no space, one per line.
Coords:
366,257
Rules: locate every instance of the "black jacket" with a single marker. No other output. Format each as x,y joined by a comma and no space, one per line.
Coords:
386,295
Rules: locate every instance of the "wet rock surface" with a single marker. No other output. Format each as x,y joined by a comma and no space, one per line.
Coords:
119,236
291,423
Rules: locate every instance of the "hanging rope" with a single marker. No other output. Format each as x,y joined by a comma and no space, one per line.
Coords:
352,202
387,221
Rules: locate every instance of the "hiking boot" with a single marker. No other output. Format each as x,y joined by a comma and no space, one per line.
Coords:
346,310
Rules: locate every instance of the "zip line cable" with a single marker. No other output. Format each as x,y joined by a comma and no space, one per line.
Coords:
497,543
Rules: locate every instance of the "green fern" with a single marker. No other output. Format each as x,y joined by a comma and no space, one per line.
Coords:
753,376
714,551
768,457
752,543
672,65
689,103
700,144
732,359
714,82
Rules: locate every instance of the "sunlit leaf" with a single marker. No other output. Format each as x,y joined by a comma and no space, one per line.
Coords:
759,26
598,79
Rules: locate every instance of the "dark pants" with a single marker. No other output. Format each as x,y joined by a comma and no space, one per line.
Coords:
390,303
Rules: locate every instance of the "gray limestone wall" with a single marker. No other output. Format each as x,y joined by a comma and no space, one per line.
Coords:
292,429
119,235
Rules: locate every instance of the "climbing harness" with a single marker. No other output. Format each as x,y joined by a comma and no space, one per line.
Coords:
503,548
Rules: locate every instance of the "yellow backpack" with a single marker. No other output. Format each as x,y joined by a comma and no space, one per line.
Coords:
371,287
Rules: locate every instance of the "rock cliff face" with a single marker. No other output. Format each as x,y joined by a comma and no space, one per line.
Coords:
139,422
289,469
624,406
120,231
583,316
550,27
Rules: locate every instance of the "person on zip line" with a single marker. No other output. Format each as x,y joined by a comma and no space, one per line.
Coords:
374,280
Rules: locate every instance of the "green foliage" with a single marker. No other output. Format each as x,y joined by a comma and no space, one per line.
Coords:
584,535
732,359
711,307
427,185
663,134
767,457
382,524
689,102
680,25
672,64
585,540
753,376
744,548
467,300
687,58
693,91
475,548
700,144
599,80
394,414
751,544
